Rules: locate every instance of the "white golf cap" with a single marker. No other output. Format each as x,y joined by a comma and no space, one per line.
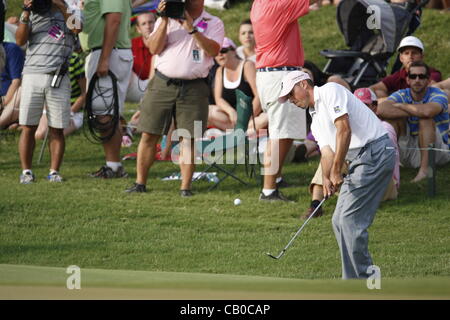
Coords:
288,83
411,41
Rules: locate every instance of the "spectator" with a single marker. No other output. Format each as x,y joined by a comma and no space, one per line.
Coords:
184,55
247,40
411,49
11,80
232,74
278,50
420,117
106,36
50,44
145,23
77,99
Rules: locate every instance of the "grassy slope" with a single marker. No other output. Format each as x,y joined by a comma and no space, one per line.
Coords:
95,225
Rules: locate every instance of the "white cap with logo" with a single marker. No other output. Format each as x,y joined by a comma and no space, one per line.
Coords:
288,83
411,41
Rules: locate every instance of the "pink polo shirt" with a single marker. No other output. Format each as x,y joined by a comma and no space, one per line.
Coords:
277,34
182,58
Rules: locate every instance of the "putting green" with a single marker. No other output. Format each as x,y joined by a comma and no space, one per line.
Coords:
33,282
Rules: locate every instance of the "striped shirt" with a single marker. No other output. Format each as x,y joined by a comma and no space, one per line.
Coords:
76,72
435,95
45,53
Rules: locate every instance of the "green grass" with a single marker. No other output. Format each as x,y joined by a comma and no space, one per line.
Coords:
49,282
93,224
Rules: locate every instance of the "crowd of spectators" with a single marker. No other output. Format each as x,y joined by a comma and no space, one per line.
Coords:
181,71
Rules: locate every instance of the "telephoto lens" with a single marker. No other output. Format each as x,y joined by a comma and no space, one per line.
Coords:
174,9
41,6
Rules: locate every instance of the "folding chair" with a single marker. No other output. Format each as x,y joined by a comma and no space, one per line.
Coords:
235,140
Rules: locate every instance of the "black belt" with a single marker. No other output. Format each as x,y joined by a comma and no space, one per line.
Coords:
177,82
284,68
100,48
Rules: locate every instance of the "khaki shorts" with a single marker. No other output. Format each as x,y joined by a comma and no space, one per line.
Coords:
409,155
286,120
121,64
37,92
390,194
187,104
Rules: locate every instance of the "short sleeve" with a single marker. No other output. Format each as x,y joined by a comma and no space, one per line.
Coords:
335,100
113,6
396,97
294,9
439,96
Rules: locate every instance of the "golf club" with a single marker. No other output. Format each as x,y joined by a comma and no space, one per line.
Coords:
297,233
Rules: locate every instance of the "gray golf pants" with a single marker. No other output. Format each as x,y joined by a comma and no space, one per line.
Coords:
360,195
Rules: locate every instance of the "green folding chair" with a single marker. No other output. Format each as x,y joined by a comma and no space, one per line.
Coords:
229,143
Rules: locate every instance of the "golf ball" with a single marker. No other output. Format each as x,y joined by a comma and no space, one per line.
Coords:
237,202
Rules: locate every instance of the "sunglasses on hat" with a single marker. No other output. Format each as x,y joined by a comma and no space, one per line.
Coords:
421,76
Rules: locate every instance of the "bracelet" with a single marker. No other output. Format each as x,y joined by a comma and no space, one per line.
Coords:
28,9
22,19
193,30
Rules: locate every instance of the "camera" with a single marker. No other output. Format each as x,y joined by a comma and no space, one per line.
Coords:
41,6
174,9
59,75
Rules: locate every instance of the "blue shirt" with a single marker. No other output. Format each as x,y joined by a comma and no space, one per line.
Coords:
435,95
15,59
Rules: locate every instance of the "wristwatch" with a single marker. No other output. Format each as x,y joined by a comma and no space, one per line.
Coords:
193,30
26,8
24,20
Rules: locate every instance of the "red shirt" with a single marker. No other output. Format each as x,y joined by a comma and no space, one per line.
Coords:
397,80
142,58
277,34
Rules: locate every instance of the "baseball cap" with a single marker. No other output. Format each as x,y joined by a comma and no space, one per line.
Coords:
228,43
289,81
366,95
410,41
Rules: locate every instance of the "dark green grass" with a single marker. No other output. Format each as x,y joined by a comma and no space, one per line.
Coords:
93,223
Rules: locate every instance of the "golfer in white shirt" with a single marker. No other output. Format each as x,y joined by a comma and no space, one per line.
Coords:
346,130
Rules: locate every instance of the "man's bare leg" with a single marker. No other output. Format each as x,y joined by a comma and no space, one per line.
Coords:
187,165
57,145
427,135
145,156
276,152
27,143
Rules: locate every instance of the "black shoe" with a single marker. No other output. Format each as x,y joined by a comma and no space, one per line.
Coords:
136,187
274,196
186,193
283,184
106,172
309,212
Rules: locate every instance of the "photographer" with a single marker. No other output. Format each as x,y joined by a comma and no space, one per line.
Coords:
184,48
49,28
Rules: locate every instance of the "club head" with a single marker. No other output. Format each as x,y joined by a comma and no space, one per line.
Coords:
272,256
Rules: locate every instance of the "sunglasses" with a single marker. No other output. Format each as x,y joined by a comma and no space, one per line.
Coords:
415,76
225,50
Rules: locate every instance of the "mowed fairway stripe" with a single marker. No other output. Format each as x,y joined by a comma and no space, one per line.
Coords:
33,282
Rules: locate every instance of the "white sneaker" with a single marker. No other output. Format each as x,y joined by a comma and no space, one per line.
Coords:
54,177
27,178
